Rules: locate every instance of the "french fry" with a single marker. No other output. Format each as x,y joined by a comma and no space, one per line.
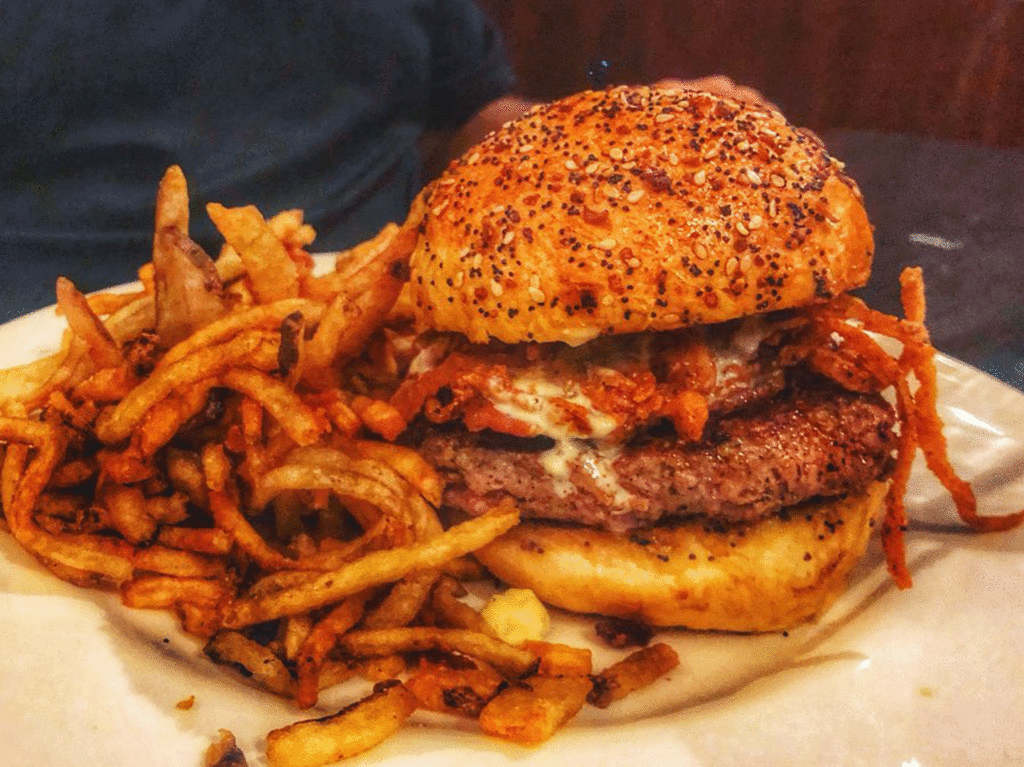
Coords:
374,569
351,731
163,591
23,383
379,417
404,602
347,484
179,563
560,659
261,666
366,300
509,660
462,691
533,710
412,466
125,508
271,270
229,517
449,612
172,200
211,540
84,323
262,317
162,421
319,641
298,419
634,672
117,424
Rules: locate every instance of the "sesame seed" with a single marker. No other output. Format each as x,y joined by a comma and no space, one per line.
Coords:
633,262
755,222
459,279
778,180
525,148
473,158
635,195
478,261
592,168
496,288
607,244
754,178
612,193
673,159
537,295
571,165
534,280
615,153
700,250
509,236
700,177
664,117
741,228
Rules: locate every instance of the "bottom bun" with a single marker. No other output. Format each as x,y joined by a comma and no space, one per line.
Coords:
766,576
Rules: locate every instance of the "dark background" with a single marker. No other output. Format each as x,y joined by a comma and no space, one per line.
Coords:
923,99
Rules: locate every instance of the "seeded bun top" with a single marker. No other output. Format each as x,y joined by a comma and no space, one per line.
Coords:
635,209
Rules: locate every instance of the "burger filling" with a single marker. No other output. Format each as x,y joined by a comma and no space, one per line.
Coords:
720,421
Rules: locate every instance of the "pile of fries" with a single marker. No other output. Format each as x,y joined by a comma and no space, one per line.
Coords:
192,446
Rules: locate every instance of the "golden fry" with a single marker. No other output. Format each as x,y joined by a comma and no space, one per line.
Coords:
374,569
272,272
262,667
298,419
509,660
351,731
117,424
635,671
533,710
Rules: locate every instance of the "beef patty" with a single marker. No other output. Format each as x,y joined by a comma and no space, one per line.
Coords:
802,444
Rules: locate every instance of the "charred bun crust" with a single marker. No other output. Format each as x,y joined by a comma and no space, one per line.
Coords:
631,209
767,576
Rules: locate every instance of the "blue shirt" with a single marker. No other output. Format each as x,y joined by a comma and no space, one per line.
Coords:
310,104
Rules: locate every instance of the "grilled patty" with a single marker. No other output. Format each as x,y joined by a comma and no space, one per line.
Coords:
803,444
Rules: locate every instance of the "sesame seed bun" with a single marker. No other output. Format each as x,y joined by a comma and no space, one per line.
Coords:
766,576
635,209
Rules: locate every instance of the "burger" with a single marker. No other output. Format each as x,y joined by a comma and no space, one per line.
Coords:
626,306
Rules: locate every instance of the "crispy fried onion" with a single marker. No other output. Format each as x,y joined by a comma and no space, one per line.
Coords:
843,347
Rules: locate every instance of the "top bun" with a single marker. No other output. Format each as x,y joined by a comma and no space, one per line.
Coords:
634,209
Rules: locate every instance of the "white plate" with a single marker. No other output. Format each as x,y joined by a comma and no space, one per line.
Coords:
930,676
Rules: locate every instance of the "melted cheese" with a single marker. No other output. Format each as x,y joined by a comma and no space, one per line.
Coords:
594,462
532,399
742,347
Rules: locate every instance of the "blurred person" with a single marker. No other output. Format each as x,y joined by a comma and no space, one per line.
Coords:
325,106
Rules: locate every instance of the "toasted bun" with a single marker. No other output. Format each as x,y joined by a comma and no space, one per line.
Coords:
631,209
768,576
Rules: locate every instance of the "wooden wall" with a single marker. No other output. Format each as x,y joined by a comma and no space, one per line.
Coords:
949,68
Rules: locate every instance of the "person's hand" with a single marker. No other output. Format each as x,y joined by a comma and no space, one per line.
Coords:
720,85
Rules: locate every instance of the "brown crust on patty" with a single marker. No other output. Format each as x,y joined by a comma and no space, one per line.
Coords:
631,209
801,445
